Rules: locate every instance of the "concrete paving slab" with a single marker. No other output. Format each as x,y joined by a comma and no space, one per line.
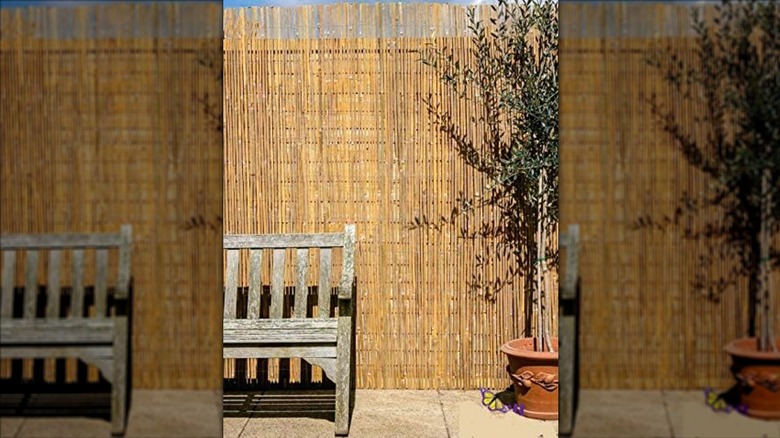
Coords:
621,414
397,399
419,420
64,427
232,427
9,426
397,413
450,402
477,422
288,427
690,417
175,414
386,413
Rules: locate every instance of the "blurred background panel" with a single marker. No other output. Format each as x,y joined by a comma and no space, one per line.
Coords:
645,321
111,114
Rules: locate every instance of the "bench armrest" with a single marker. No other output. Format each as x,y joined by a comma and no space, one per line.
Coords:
348,267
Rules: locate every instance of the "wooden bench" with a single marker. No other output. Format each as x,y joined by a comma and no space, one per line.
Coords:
324,341
568,330
40,331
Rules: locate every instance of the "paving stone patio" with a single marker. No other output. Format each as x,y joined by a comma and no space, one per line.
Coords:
392,413
377,413
434,414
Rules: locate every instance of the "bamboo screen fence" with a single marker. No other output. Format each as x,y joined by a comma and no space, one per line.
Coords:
325,125
104,122
642,324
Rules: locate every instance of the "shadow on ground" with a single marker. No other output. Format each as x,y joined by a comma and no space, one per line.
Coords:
256,398
279,403
55,400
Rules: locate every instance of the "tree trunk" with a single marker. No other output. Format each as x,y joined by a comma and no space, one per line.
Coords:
754,286
544,294
539,344
765,338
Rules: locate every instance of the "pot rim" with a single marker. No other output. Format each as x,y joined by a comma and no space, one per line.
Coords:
734,349
509,350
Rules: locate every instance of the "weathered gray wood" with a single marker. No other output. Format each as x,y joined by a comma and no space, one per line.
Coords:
281,241
30,283
105,365
567,331
122,342
269,352
77,295
566,352
7,293
231,284
119,385
101,276
55,351
323,292
125,256
279,331
328,365
56,331
322,341
301,289
277,284
255,283
53,303
59,241
343,370
572,239
348,265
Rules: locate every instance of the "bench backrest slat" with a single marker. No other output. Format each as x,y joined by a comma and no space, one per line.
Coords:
77,300
255,283
30,284
324,287
231,284
301,290
101,274
53,305
278,246
277,284
9,268
55,245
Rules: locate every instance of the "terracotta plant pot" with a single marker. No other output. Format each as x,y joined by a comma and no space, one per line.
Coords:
534,375
758,377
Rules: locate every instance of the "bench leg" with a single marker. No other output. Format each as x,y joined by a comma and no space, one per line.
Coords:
119,387
343,376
